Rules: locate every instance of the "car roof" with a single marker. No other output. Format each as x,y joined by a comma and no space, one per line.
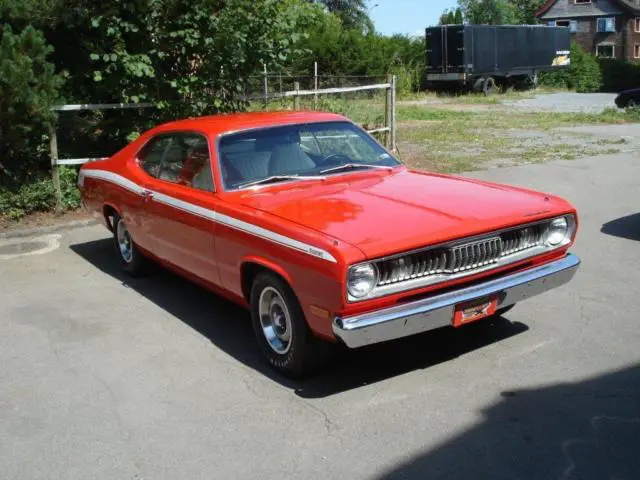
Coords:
228,123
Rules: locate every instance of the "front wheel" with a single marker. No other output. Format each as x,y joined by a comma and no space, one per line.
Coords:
132,261
281,329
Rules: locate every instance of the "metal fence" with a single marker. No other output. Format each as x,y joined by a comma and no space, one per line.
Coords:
273,89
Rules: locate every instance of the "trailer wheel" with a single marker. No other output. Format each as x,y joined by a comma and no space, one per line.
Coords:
489,86
478,85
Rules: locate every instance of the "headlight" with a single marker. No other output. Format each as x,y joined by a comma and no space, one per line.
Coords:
558,232
361,280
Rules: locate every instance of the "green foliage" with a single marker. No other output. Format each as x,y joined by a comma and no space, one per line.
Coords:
490,12
28,89
352,13
582,76
350,52
449,17
457,18
37,195
500,12
618,75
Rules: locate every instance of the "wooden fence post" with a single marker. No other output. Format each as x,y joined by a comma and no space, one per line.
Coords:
296,97
55,173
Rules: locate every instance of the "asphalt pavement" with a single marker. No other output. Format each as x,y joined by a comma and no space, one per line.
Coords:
105,377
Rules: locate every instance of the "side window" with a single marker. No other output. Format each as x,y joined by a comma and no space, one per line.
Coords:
150,157
187,162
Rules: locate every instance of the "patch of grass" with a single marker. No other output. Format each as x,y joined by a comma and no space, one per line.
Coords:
454,141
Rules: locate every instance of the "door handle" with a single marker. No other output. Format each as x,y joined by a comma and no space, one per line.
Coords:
147,195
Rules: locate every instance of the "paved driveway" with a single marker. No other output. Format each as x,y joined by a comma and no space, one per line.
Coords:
103,377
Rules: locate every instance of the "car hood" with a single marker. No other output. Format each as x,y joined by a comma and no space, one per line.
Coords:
385,213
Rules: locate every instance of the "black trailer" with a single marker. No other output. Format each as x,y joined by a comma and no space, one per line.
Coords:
481,57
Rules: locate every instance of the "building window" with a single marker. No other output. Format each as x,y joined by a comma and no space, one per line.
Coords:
605,51
571,24
606,25
636,50
636,25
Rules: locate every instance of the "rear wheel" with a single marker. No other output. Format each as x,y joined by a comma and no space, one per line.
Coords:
132,261
281,329
633,103
489,86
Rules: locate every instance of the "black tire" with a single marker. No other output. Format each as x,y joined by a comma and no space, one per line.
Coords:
489,86
133,262
633,103
478,85
304,352
501,311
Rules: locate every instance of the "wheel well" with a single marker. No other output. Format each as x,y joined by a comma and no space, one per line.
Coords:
108,211
249,271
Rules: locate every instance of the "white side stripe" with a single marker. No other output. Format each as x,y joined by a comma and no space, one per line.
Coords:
185,206
209,214
113,178
273,236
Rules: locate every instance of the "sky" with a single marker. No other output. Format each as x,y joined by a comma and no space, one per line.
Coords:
409,17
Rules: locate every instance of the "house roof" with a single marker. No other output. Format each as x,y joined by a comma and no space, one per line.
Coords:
626,4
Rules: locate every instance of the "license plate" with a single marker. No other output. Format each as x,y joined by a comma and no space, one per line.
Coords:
473,311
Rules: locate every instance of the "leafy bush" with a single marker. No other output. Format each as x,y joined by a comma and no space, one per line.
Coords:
582,76
618,75
28,89
38,195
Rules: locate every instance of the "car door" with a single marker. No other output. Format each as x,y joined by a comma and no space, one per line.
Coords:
145,165
181,206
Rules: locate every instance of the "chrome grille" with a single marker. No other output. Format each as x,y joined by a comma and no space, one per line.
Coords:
467,257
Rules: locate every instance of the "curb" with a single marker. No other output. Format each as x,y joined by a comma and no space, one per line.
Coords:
29,232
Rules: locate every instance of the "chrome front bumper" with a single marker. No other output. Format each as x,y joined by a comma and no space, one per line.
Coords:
437,311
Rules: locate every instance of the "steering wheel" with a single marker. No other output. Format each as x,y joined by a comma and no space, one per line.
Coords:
334,159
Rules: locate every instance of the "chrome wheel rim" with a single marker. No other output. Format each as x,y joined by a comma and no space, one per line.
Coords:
633,104
124,242
275,320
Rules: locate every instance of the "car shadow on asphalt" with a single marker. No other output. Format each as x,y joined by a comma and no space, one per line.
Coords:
228,327
625,227
585,430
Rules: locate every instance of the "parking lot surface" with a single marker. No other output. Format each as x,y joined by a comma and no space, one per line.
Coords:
106,377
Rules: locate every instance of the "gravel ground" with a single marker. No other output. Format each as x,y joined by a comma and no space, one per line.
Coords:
566,102
107,377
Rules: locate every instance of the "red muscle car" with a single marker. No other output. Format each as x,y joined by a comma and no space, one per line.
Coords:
308,221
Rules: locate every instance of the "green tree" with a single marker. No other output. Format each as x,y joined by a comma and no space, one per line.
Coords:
458,20
489,12
499,12
526,10
352,13
29,88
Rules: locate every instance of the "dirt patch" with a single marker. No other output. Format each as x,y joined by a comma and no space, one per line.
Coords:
42,219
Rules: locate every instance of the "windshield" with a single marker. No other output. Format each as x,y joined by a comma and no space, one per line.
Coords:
294,152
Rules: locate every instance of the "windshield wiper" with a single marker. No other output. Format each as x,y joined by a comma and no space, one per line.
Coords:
351,166
279,178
